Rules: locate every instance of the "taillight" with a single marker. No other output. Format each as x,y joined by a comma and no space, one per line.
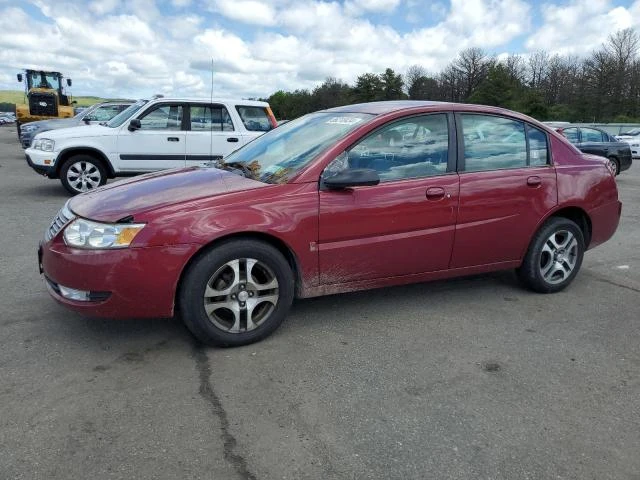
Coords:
272,118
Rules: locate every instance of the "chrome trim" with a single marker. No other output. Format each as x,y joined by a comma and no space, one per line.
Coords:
62,218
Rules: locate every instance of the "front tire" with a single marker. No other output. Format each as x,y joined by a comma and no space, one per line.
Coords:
554,256
236,293
82,173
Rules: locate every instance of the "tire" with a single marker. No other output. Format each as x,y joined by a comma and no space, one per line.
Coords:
554,256
616,163
82,173
236,293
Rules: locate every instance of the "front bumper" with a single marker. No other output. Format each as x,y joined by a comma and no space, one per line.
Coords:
131,282
43,163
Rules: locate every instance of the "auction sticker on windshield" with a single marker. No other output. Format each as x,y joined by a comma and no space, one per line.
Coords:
344,120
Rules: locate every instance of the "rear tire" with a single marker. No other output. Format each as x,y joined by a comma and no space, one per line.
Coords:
554,256
236,293
616,164
82,173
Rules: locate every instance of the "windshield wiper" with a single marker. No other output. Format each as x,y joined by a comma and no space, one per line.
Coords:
231,166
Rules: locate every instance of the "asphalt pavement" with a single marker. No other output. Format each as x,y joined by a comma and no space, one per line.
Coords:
474,378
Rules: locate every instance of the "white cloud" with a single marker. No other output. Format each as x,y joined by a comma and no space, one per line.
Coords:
247,11
131,48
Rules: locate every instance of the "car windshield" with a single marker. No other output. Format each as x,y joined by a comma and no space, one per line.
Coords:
86,111
278,155
124,115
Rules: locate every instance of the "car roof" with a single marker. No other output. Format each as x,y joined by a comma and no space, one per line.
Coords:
235,101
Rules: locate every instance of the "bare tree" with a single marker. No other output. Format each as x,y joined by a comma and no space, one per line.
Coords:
471,67
538,64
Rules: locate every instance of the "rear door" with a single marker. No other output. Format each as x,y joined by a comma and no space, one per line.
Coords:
507,185
211,133
159,143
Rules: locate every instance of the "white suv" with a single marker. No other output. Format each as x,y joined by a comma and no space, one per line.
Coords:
150,135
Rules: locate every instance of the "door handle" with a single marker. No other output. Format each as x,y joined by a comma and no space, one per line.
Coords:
173,139
534,181
232,139
435,193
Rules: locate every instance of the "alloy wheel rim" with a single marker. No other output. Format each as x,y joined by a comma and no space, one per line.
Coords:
559,256
83,176
241,295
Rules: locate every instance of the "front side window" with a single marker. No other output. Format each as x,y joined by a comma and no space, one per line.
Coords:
592,135
255,119
126,114
411,148
493,143
210,118
162,117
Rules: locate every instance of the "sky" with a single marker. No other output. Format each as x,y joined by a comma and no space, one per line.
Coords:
253,48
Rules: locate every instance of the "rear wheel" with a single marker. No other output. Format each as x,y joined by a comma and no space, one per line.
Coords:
82,173
554,256
236,293
616,164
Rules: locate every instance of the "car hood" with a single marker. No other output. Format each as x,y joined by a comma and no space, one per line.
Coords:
137,195
52,124
80,131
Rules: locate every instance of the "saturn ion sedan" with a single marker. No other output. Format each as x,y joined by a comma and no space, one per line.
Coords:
356,197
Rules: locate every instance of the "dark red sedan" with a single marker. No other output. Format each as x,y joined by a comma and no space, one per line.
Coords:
356,197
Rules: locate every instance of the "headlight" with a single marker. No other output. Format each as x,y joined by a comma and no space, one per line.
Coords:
635,144
83,233
28,128
44,144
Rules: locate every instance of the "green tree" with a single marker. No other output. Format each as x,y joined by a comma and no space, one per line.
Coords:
392,85
368,88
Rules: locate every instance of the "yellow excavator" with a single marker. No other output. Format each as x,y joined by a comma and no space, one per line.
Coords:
46,98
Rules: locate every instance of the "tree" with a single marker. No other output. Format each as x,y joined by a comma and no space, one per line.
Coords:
332,93
392,85
471,68
368,88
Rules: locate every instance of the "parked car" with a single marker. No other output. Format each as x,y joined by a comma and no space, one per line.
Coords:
632,137
7,118
100,112
149,135
330,203
598,142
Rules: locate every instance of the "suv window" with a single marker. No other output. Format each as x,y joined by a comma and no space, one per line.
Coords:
209,118
591,135
162,117
411,148
255,119
493,143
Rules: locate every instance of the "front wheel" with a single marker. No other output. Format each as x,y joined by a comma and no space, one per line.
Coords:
237,293
82,173
554,256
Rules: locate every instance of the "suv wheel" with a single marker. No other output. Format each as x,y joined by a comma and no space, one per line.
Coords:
82,173
237,293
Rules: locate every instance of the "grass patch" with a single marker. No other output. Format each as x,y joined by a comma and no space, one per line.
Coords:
17,97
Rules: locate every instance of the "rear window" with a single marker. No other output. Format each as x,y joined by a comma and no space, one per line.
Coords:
255,119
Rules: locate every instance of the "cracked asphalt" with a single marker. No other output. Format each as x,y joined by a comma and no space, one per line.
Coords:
473,378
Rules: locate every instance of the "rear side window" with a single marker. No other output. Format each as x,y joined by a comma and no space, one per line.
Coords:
493,143
538,146
255,119
210,118
591,135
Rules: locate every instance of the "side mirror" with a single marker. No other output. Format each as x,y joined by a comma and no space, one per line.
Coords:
134,125
352,177
19,77
87,119
68,82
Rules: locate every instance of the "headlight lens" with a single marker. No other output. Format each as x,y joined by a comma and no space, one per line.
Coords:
44,144
83,233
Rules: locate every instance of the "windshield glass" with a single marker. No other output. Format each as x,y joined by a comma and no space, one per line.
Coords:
86,111
278,155
124,115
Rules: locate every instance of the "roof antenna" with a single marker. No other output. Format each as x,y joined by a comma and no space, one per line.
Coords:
211,159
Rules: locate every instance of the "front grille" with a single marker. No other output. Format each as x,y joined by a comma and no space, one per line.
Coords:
43,104
63,217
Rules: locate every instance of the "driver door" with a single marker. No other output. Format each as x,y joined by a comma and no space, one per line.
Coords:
404,225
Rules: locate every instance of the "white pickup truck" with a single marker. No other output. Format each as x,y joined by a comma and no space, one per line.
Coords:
150,135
